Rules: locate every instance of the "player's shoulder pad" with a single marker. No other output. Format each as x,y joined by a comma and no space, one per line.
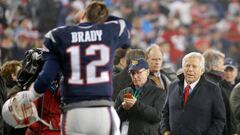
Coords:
50,33
122,25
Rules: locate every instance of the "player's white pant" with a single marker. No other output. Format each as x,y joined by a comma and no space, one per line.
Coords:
90,121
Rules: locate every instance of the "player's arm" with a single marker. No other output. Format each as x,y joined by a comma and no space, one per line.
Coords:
42,83
124,37
114,18
48,73
46,76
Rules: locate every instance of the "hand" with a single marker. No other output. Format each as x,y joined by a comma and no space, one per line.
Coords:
27,96
124,105
129,102
167,133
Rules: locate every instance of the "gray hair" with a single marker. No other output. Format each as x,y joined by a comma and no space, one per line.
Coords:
212,58
195,55
150,48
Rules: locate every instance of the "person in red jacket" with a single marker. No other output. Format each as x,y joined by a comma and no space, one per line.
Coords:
48,105
48,110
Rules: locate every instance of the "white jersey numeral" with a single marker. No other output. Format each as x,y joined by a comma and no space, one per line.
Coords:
75,65
91,68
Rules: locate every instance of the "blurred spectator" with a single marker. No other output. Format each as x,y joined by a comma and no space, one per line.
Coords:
22,46
202,43
217,41
47,13
233,9
171,36
126,10
9,72
3,9
3,98
137,34
67,14
181,9
6,49
65,8
142,108
119,60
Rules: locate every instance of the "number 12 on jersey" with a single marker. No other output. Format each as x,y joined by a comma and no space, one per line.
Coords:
91,68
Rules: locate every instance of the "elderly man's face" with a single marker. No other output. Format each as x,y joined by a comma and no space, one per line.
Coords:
155,60
139,77
192,70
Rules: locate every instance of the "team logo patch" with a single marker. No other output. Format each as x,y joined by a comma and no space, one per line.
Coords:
134,62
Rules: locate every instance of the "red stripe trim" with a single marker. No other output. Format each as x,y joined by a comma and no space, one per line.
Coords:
64,124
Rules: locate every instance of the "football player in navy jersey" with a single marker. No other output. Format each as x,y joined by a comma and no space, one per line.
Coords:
84,55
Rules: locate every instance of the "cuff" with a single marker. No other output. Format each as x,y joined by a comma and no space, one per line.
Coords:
37,95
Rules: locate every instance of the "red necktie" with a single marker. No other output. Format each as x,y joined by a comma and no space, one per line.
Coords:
186,93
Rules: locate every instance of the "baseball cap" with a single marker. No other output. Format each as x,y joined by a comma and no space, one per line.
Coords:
138,64
230,62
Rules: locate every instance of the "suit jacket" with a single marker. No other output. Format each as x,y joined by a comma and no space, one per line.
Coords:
203,114
156,80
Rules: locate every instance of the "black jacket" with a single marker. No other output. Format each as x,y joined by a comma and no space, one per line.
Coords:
120,81
217,78
204,113
3,98
145,115
235,104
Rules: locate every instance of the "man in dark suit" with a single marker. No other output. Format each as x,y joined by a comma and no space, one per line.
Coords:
194,105
154,57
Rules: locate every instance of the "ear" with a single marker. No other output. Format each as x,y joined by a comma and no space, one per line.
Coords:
123,61
14,77
202,71
148,72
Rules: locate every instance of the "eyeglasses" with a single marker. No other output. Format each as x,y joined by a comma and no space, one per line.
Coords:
132,73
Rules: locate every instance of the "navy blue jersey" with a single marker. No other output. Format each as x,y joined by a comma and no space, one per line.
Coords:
84,54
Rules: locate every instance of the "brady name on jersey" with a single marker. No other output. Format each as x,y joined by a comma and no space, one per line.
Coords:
87,36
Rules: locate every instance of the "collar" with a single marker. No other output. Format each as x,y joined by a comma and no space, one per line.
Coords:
191,85
156,74
86,25
146,84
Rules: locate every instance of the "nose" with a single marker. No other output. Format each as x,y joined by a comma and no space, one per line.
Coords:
135,75
190,68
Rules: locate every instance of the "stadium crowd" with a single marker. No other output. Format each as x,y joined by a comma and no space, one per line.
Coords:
163,32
